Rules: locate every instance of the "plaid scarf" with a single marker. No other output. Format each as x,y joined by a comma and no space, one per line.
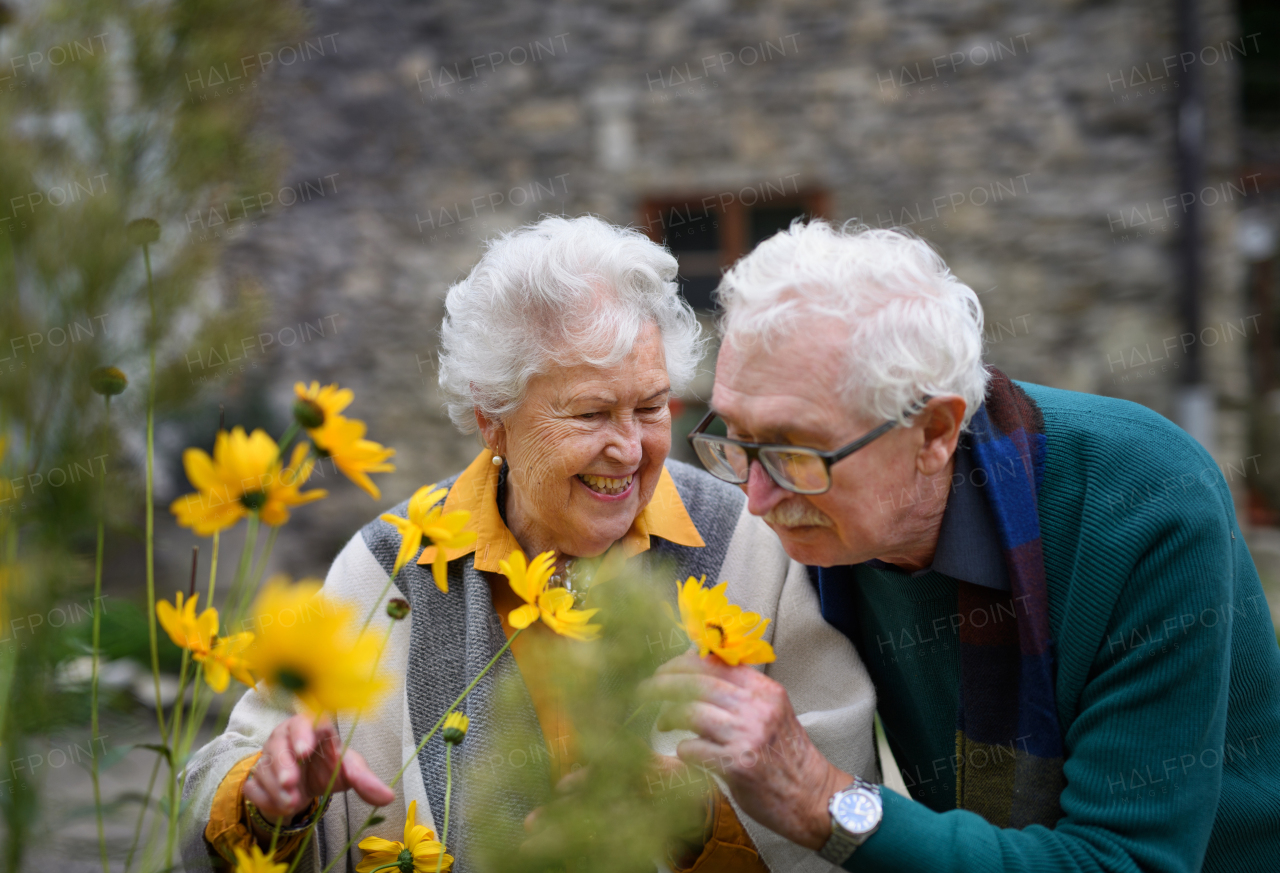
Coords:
1008,743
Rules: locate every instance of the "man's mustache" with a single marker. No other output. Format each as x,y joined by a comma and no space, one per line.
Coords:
796,513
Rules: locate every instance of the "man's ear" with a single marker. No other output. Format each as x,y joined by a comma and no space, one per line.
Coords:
939,421
491,430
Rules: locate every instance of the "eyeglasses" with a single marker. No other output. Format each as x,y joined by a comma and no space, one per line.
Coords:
798,469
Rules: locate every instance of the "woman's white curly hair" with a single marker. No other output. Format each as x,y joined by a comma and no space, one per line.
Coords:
560,292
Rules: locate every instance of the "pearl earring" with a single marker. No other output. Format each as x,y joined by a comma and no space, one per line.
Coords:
497,460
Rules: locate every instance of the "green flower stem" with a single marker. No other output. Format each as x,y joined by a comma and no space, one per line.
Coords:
275,838
287,437
151,501
374,609
240,587
448,790
137,829
97,641
260,568
430,734
175,778
461,697
213,567
385,867
639,709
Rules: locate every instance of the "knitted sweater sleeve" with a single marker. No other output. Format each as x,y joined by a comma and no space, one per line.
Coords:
1148,627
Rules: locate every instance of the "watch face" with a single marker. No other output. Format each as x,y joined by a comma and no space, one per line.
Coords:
857,812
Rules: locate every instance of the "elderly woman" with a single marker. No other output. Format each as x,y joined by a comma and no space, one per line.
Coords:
562,348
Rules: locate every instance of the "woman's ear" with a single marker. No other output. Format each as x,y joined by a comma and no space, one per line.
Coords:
940,422
491,430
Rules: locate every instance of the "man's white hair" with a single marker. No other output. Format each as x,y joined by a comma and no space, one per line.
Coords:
914,329
560,292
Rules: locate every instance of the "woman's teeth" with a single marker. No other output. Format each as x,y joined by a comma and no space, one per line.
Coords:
605,485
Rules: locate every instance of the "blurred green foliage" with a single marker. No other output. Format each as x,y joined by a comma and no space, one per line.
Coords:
100,125
620,814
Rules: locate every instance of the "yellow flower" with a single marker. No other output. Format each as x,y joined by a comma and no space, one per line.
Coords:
225,660
718,627
455,728
256,861
243,476
330,400
198,634
342,439
419,853
554,606
186,629
308,645
426,519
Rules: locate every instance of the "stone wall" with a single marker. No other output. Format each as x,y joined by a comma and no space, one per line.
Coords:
1032,142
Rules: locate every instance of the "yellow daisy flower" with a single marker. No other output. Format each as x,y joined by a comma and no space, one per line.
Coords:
307,645
419,853
719,627
186,629
342,439
256,861
555,606
427,519
198,634
225,660
329,401
243,476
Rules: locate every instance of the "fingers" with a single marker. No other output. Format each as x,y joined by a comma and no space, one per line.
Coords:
572,781
697,752
708,721
324,757
531,820
261,795
684,687
276,774
689,662
302,736
357,775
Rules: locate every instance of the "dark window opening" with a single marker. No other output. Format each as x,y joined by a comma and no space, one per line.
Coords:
708,234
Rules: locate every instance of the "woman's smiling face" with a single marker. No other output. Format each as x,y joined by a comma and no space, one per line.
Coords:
585,450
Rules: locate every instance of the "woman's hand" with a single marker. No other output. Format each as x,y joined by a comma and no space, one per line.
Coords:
296,765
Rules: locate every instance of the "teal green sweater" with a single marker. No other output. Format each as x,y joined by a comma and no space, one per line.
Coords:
1168,671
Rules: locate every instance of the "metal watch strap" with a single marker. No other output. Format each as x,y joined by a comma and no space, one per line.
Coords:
839,846
842,843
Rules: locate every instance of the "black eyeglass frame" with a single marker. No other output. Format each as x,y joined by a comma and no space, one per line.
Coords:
753,450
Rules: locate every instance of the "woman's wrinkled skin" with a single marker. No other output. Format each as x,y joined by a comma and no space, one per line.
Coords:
582,420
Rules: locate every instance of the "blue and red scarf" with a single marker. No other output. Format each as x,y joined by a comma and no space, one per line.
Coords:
1008,742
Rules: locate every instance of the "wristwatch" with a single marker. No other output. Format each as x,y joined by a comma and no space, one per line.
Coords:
855,814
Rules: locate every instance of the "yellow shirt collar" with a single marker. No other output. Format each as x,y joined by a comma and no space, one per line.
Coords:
476,491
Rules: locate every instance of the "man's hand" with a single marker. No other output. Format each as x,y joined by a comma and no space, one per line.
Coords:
749,734
296,765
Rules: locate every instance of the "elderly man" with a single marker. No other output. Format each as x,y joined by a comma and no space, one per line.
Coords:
1073,658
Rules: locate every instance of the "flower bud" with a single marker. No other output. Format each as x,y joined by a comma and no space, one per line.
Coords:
308,413
455,728
398,608
142,231
108,381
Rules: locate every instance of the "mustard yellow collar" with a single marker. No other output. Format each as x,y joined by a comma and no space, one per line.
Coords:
476,491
